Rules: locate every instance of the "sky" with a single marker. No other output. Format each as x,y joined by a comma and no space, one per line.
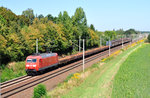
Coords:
103,14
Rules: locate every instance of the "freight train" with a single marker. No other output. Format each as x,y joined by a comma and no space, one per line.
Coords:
40,62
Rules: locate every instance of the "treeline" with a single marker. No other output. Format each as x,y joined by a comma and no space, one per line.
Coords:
18,33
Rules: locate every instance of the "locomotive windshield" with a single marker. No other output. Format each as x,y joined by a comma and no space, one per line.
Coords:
31,60
34,60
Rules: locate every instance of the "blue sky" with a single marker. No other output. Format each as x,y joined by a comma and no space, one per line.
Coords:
104,14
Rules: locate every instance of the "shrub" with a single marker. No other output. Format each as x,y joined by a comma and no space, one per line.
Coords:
12,71
148,38
39,91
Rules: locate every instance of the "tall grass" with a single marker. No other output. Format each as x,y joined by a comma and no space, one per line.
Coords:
133,78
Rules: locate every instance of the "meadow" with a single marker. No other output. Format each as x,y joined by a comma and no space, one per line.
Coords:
132,79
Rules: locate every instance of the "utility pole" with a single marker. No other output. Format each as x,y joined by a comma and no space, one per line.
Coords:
36,46
83,55
122,41
79,43
109,46
139,36
131,39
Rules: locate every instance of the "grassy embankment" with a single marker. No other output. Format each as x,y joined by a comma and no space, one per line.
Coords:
12,70
133,77
97,80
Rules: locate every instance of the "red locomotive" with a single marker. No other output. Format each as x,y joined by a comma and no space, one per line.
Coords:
35,63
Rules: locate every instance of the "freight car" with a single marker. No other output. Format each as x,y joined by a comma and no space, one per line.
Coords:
39,62
80,54
93,51
36,63
118,42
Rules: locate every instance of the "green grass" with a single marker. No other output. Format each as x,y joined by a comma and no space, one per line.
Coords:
99,83
133,78
12,72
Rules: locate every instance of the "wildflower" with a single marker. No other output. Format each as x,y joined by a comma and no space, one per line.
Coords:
104,59
75,76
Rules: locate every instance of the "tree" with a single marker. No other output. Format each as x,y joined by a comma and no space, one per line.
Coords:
80,17
3,43
93,38
14,47
18,33
65,17
11,47
79,20
8,15
130,31
3,28
22,21
40,16
59,19
29,14
92,27
111,34
55,34
50,17
120,31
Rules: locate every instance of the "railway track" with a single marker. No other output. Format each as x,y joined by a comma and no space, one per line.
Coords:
13,81
17,85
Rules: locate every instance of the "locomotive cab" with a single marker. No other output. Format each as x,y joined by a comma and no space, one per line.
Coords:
32,64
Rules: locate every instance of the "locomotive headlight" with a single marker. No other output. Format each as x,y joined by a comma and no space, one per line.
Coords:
34,65
27,65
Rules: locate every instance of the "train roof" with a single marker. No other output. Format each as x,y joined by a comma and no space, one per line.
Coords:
43,55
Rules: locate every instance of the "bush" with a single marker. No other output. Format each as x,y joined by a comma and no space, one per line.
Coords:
12,71
148,38
39,91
